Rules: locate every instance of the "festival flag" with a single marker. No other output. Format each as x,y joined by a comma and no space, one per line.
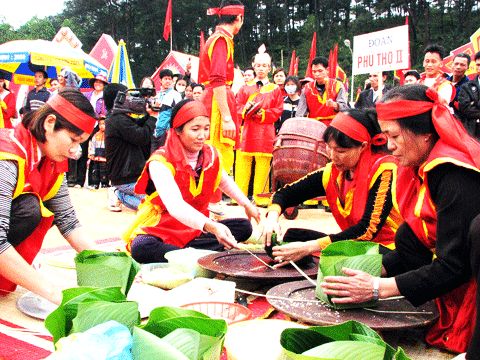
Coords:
167,28
202,71
313,52
333,62
291,70
400,74
295,69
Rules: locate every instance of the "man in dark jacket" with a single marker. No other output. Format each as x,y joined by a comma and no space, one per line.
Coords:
369,97
127,147
469,103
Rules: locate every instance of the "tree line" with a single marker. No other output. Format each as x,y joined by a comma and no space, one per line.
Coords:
282,25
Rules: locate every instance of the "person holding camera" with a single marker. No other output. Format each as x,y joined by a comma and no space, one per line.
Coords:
128,132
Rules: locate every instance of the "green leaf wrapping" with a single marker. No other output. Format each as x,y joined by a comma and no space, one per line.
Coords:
348,340
165,322
358,255
106,269
61,321
347,350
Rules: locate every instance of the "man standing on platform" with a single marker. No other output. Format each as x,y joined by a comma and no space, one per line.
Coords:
216,73
323,98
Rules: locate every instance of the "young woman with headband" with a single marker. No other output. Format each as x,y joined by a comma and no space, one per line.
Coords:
33,190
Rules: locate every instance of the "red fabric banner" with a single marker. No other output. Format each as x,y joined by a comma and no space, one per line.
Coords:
313,52
167,28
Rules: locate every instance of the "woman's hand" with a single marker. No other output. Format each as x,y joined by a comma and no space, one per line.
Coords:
252,212
222,233
355,288
269,226
294,251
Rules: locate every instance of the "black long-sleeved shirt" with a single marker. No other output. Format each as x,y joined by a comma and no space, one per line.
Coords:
455,193
378,207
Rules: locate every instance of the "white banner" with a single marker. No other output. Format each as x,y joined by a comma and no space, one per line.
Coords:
381,51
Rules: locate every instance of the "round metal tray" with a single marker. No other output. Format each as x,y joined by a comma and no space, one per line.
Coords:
316,313
241,264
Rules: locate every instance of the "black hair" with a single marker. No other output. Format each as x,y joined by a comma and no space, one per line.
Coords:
295,80
228,19
435,48
196,85
420,124
465,56
320,60
110,93
166,72
368,119
277,70
175,110
477,56
34,120
412,73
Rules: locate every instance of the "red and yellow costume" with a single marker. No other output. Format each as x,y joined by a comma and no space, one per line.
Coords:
316,102
8,110
39,176
217,69
153,217
347,199
455,326
257,137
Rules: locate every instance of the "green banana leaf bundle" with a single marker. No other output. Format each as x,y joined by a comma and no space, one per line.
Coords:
179,334
173,333
350,340
358,255
85,307
106,269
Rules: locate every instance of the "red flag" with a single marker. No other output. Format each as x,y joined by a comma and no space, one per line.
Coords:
295,69
313,52
167,28
291,70
202,71
333,62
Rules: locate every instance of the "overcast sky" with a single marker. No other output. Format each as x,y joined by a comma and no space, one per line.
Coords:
18,12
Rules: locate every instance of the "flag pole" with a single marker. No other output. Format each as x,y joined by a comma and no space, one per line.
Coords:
171,34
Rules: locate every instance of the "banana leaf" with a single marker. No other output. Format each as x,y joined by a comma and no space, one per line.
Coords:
195,335
84,307
106,269
358,255
349,340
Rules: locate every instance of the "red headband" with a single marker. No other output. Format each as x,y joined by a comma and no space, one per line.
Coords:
405,108
188,111
350,127
72,114
227,10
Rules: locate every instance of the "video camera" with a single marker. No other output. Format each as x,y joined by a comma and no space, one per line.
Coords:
135,101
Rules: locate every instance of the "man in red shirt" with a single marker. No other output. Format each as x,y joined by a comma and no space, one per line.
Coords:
323,98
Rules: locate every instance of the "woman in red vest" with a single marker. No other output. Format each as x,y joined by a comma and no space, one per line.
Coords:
179,180
358,185
439,198
33,190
